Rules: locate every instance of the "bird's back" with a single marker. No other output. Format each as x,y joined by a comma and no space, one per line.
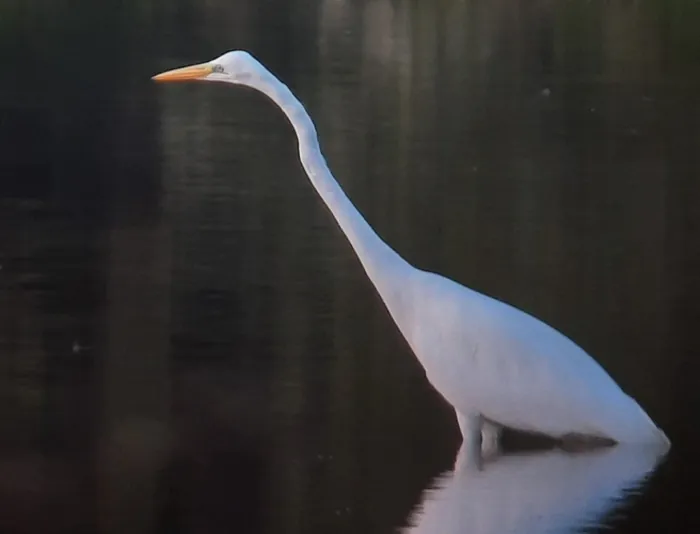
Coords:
487,357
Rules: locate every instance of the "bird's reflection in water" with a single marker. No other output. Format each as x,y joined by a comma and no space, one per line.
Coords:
536,493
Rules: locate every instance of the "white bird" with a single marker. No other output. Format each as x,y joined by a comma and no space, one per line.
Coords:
496,365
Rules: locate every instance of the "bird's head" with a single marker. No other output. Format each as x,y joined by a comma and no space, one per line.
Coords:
236,66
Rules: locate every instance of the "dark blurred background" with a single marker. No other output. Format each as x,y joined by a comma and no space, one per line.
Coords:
187,342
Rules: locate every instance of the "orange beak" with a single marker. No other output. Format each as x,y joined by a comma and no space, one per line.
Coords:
194,72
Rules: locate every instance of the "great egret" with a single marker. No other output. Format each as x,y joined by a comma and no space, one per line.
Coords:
498,366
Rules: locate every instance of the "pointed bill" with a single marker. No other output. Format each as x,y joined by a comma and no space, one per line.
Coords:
193,72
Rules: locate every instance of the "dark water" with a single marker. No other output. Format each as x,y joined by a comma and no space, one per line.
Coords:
187,342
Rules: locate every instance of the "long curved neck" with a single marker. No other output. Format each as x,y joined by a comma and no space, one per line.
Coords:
385,268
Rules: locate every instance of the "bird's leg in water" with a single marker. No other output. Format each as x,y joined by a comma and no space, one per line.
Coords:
480,441
469,455
490,438
478,433
470,426
468,459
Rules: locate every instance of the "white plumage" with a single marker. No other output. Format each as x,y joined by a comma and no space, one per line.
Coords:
514,369
497,365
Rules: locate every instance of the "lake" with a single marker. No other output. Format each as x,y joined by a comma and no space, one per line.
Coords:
187,341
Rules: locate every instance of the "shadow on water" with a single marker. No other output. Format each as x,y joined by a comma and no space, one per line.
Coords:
535,493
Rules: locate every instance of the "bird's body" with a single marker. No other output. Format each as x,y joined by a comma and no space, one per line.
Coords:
494,363
515,370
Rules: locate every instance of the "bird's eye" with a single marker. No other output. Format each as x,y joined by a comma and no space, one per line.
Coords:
217,68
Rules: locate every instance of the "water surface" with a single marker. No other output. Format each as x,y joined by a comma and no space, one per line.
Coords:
187,342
